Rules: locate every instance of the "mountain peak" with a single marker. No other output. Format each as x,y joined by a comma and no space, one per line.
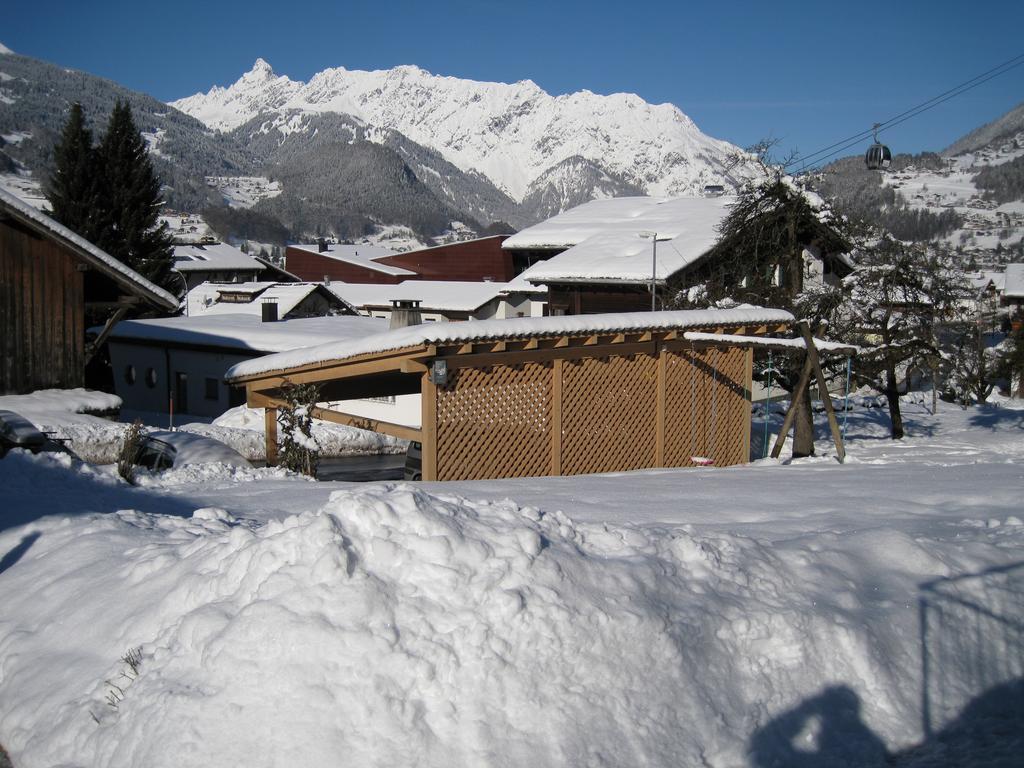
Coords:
261,70
4,50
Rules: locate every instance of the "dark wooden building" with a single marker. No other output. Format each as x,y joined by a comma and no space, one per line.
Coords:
468,261
46,272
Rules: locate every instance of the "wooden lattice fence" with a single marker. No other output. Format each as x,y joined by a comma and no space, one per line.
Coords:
682,407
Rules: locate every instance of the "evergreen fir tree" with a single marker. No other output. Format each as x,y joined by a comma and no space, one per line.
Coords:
72,187
129,191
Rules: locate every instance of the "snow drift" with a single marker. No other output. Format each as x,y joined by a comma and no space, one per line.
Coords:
396,627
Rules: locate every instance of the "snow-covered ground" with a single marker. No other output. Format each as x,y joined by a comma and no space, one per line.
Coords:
798,613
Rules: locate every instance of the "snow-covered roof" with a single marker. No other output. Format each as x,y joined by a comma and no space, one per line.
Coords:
668,216
514,328
361,254
204,298
248,332
203,257
1013,287
611,240
100,259
440,295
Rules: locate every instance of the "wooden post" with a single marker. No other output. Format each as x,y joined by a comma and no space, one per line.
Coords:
428,418
556,416
270,424
659,449
748,381
826,398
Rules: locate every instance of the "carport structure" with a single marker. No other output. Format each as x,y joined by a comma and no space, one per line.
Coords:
543,396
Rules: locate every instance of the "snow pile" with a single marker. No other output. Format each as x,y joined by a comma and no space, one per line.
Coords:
395,627
243,429
65,413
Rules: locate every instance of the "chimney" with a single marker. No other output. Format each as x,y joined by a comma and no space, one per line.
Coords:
269,307
405,312
321,246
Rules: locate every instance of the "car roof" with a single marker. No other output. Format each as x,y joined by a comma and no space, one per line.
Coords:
19,430
191,448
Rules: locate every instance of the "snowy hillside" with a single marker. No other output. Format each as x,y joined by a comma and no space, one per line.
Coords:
512,134
991,231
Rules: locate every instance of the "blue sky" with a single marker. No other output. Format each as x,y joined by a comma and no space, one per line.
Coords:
807,74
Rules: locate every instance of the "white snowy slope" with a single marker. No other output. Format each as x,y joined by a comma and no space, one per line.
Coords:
510,133
801,614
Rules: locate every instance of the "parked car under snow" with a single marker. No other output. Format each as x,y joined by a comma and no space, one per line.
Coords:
162,450
18,432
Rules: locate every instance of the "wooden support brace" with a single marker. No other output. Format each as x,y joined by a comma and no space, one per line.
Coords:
798,393
826,398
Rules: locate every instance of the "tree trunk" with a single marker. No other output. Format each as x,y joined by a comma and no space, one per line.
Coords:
803,427
893,396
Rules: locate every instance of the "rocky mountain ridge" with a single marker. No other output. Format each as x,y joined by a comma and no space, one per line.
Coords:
512,134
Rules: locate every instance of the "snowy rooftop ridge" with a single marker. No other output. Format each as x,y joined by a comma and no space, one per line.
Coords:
610,240
363,255
496,330
100,258
247,332
442,295
210,257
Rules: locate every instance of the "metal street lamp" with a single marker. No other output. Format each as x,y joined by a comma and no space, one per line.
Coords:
184,283
654,262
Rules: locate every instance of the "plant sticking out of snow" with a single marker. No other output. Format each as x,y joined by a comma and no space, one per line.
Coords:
132,661
129,450
299,450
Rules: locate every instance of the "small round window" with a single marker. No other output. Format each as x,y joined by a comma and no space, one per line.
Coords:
151,378
129,374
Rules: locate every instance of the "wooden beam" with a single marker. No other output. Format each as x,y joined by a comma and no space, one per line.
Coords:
334,372
543,355
379,361
412,366
364,422
93,347
270,425
826,398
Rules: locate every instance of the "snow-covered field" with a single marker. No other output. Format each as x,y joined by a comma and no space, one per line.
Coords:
798,613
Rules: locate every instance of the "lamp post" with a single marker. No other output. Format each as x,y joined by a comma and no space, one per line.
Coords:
184,284
654,263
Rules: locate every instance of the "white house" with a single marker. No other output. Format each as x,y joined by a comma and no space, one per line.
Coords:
180,362
283,301
607,255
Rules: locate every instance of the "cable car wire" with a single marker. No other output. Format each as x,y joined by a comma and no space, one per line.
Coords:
806,161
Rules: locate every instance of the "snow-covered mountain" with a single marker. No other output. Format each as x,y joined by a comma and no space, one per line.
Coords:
516,135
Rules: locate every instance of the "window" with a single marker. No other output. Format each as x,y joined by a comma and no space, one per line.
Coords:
129,374
151,378
212,389
181,391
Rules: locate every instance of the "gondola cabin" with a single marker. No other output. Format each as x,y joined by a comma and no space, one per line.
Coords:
878,157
